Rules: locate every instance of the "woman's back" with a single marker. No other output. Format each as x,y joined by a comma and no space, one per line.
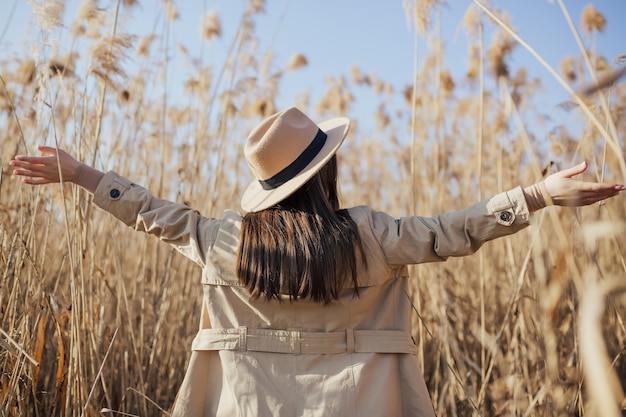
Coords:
352,356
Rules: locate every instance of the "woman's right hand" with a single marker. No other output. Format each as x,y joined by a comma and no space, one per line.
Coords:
38,170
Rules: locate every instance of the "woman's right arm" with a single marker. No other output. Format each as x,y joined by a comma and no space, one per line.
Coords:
55,166
176,224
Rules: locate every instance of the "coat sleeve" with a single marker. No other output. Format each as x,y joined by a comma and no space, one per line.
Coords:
174,223
416,239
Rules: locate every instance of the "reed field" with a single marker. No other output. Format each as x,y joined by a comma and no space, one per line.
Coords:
96,319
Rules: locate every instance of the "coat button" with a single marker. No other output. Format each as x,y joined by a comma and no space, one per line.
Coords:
114,193
506,216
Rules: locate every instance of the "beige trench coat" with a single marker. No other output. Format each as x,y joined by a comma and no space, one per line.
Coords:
353,357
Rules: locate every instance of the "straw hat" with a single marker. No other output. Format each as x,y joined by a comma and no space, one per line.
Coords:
285,151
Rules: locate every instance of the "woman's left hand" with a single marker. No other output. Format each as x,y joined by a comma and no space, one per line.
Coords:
566,191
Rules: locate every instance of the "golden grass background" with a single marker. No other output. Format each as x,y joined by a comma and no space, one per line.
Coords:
96,319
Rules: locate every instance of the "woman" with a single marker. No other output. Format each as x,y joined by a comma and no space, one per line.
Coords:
305,307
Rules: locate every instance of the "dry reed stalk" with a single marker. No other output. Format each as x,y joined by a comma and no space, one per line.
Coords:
17,119
107,62
15,348
472,22
40,340
605,392
99,373
421,330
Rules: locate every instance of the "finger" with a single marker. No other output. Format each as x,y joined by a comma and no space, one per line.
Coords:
593,187
35,181
22,164
575,170
38,160
599,196
28,173
48,150
25,168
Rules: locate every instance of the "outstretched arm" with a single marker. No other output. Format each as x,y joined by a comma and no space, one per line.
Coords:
416,239
177,224
560,189
56,164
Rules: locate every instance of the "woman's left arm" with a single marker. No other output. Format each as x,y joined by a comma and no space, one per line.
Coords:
560,189
417,239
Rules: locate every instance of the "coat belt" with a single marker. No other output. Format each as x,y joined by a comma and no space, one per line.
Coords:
301,342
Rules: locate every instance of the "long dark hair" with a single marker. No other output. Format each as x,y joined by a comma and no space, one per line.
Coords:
304,247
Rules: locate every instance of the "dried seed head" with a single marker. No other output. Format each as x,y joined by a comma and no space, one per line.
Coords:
408,96
260,108
380,86
501,122
447,83
520,79
471,20
337,99
592,19
601,64
568,69
382,118
124,95
7,97
200,84
26,71
211,25
77,29
89,12
107,58
56,68
473,67
143,49
231,110
69,60
89,20
177,116
297,61
136,88
48,13
256,6
418,12
171,12
358,77
498,54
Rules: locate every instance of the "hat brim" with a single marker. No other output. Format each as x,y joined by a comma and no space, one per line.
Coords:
255,198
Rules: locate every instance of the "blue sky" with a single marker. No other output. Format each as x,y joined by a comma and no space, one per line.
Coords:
337,34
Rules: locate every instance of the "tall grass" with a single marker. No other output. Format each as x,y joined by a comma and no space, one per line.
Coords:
95,318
